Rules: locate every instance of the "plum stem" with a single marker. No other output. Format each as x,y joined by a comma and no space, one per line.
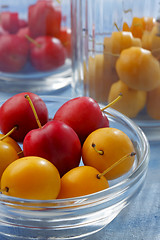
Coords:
100,152
113,102
33,41
19,153
115,164
115,24
33,109
9,133
6,189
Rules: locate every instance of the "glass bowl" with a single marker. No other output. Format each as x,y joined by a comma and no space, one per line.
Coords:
79,217
20,68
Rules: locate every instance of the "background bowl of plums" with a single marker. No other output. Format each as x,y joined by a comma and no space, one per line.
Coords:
120,48
35,45
81,164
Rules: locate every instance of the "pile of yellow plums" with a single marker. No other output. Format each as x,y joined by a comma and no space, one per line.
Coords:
129,65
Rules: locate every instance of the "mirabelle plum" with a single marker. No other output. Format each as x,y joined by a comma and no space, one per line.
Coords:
119,41
155,41
151,41
146,40
7,155
126,27
132,102
110,59
12,142
81,181
31,178
138,68
111,145
112,48
149,23
98,78
153,100
139,25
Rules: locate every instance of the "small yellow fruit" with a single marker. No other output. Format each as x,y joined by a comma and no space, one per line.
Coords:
120,41
98,78
153,100
146,40
132,101
138,69
7,155
112,144
13,143
81,181
155,42
31,178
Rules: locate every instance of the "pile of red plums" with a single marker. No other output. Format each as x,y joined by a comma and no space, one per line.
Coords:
49,165
41,40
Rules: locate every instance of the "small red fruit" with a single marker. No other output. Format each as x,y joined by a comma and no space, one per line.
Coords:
16,111
56,142
44,19
10,21
23,32
105,121
3,32
22,23
47,53
83,114
13,53
66,39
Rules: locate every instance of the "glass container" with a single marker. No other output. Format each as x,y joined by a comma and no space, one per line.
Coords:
117,51
35,45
